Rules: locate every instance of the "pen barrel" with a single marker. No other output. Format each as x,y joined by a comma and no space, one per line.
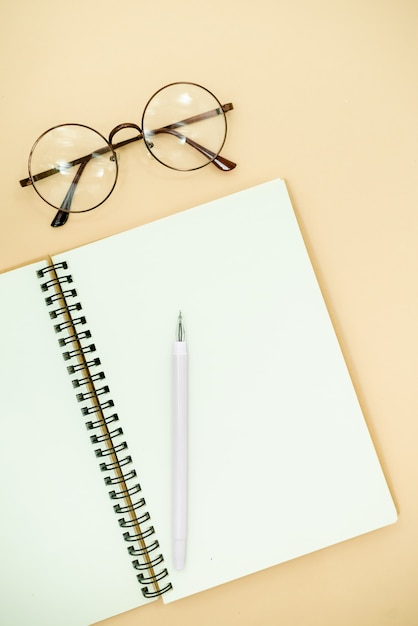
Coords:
180,451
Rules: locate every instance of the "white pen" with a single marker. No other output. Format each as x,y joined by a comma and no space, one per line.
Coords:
180,452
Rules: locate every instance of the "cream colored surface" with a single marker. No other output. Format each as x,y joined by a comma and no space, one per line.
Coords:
325,96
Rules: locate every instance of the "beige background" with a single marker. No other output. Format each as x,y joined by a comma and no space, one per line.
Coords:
325,96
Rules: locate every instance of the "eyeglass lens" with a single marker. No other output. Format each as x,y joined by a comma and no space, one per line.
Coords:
85,167
177,118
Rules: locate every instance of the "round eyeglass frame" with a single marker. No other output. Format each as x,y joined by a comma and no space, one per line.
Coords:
212,157
220,108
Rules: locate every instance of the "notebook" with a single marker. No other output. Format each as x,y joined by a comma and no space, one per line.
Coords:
281,462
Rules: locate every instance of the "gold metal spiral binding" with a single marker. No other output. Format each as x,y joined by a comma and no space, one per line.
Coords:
113,450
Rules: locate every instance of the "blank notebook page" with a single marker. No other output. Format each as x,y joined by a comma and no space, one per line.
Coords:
63,561
281,462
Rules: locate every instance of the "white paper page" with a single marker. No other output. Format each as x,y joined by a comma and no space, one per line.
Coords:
281,462
63,561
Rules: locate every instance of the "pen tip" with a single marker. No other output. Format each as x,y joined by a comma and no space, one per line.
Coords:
180,328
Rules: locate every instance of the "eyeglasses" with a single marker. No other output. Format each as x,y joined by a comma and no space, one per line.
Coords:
74,168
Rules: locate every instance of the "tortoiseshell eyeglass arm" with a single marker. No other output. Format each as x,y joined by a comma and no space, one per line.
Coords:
26,182
218,161
201,116
61,216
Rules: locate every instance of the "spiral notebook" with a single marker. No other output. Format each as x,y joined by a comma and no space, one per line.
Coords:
280,459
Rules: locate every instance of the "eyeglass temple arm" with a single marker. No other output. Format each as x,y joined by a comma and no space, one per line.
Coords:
220,162
200,116
61,216
26,182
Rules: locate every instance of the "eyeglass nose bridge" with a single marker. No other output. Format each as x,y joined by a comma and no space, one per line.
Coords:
123,126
